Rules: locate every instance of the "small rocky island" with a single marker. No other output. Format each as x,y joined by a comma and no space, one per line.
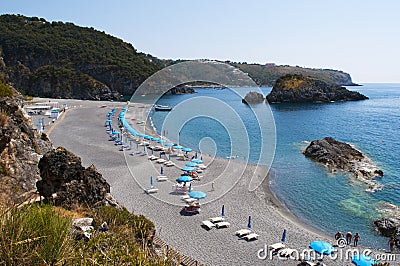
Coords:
301,89
253,97
339,155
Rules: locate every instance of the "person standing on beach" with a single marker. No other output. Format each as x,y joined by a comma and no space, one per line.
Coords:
212,186
349,235
391,244
356,238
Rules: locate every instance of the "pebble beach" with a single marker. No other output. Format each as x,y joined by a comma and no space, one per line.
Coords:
82,131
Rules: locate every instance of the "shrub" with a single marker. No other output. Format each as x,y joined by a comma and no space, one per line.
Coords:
5,91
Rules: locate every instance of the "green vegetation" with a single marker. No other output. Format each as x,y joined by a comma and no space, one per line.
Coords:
290,82
40,235
269,73
29,44
5,91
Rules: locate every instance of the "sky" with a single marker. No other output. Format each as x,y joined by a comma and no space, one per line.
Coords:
361,38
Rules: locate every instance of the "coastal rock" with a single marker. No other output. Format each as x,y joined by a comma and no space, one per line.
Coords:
82,228
302,89
253,97
66,182
387,227
339,155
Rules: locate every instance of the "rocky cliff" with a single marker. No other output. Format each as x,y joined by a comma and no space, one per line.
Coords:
339,155
302,89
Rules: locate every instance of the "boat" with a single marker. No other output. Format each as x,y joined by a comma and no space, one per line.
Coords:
159,107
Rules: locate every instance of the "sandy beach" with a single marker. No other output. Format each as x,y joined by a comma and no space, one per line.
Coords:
82,131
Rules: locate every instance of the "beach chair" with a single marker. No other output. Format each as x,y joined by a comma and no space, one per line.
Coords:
274,248
161,161
242,232
251,236
202,166
161,178
151,190
190,200
207,224
217,219
184,197
222,225
152,157
286,252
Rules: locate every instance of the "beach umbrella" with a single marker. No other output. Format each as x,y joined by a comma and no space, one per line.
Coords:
169,157
187,150
322,247
147,137
190,187
115,133
178,147
184,178
197,194
152,152
201,158
223,211
155,139
161,141
283,240
191,164
160,154
198,161
151,181
188,169
169,144
196,155
249,223
162,170
362,260
141,135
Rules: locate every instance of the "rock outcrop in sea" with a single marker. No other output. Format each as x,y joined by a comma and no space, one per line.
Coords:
64,181
253,97
302,89
340,155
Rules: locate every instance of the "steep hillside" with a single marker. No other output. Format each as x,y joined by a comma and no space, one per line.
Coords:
56,59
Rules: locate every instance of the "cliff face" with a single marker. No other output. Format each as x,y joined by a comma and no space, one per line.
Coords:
20,151
301,89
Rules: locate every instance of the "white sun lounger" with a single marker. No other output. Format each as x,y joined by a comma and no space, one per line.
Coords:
151,190
276,246
169,163
198,170
207,224
216,219
152,157
286,252
160,161
190,200
161,178
184,197
251,236
242,232
222,224
201,166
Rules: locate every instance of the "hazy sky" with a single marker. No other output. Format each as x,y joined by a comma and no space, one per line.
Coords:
359,37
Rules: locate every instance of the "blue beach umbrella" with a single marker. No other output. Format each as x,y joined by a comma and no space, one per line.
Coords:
155,139
184,178
190,187
162,170
187,150
141,135
322,247
195,155
160,154
147,137
283,240
197,194
191,164
198,161
161,141
188,169
151,181
115,133
223,211
178,147
169,144
249,223
362,260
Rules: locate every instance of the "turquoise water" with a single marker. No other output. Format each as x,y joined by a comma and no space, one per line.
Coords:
329,202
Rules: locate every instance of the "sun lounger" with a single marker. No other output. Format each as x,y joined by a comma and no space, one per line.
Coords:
201,166
169,163
190,200
277,246
286,252
152,157
222,224
242,232
252,236
198,170
309,263
185,197
207,224
160,161
161,178
151,190
216,219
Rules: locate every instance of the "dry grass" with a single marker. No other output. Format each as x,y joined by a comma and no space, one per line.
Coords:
3,118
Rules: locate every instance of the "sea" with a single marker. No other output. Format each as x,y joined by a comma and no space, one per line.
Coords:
325,201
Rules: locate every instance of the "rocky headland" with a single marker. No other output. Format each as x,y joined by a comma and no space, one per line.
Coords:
340,155
253,97
302,89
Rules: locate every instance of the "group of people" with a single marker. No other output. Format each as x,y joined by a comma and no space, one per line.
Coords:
349,237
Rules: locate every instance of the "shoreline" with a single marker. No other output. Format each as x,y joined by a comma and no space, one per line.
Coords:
268,224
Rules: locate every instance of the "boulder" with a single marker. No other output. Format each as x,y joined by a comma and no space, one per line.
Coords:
387,227
301,89
82,228
253,97
66,182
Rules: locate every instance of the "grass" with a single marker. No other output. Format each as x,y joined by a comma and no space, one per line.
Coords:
40,235
5,91
3,118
